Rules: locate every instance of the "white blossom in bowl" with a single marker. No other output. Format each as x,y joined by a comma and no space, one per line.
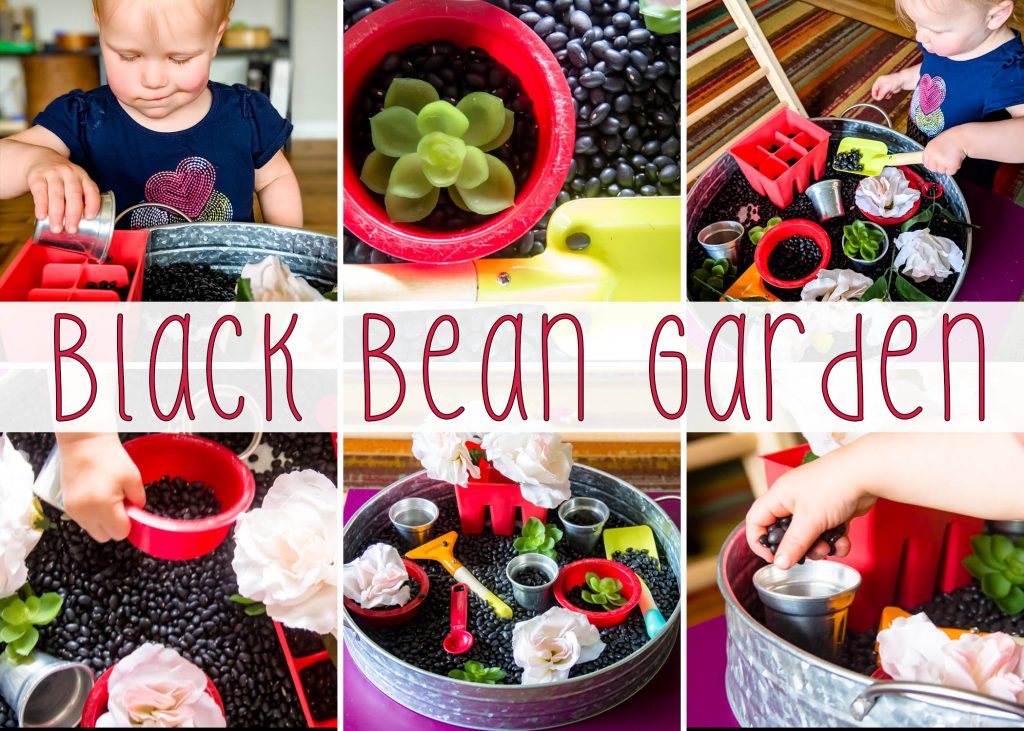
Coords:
272,281
445,456
923,256
155,687
375,578
286,552
886,195
550,644
835,285
19,513
538,461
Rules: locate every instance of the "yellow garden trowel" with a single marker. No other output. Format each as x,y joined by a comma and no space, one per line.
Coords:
874,156
598,250
441,550
637,537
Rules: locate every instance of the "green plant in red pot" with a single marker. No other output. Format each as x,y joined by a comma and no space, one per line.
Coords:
604,592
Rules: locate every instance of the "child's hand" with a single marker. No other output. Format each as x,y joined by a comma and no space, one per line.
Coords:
97,476
62,192
946,152
818,497
885,86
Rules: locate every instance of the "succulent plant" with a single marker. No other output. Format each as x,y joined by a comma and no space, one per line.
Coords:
713,278
756,232
475,672
539,538
998,563
423,143
603,591
861,241
20,614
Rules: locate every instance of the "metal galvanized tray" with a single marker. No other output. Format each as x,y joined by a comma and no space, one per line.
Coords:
228,246
771,682
474,705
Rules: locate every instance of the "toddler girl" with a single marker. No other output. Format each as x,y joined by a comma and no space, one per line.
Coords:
969,89
159,132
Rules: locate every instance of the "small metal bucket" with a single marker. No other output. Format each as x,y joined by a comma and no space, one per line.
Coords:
583,537
722,240
45,692
92,238
413,519
534,598
827,198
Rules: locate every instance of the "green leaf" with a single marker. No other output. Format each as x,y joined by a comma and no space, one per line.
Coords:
982,547
453,193
1001,547
924,216
719,269
951,217
413,94
331,645
534,529
239,599
589,597
457,674
555,533
909,292
377,171
255,610
408,179
15,612
548,544
774,221
995,585
12,632
474,169
24,644
442,116
701,275
332,295
520,544
975,567
808,457
442,156
549,553
879,289
473,666
49,607
394,131
1013,603
243,290
496,194
409,210
503,136
486,115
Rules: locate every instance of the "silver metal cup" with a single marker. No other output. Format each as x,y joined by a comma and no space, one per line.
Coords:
534,598
92,238
807,604
414,519
583,537
45,692
721,240
1012,529
861,265
827,198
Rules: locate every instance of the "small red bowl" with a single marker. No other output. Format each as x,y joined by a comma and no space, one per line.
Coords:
197,460
377,618
779,233
514,45
96,701
918,184
575,574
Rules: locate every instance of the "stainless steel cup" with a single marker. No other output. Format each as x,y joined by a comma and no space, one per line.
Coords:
1012,529
807,604
414,519
722,240
534,598
92,238
827,198
583,537
45,692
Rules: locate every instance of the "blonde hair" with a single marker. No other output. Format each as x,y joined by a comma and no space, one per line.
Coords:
217,11
1016,15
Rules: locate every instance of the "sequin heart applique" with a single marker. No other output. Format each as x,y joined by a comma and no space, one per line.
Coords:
932,93
186,188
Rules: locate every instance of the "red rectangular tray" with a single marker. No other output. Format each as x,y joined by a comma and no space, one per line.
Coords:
295,666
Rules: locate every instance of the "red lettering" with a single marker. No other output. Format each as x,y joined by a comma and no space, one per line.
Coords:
887,353
858,357
72,353
428,353
381,353
516,391
739,388
652,379
546,325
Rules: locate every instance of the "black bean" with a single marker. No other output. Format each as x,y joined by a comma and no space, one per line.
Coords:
580,21
592,79
556,40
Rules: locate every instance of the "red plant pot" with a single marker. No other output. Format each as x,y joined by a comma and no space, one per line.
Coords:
917,183
905,554
776,235
96,701
575,574
495,492
513,44
377,618
197,460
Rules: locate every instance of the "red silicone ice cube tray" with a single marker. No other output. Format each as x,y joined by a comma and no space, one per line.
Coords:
493,492
295,666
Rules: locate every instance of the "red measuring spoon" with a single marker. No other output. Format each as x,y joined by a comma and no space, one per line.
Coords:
459,639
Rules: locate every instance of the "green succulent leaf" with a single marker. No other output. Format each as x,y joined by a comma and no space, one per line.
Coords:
1013,603
504,135
976,567
47,608
495,194
486,115
410,210
453,193
255,610
1001,548
475,672
457,674
413,94
995,585
15,613
554,532
442,116
12,632
442,156
394,131
538,538
879,290
534,529
474,169
377,171
408,179
603,591
24,644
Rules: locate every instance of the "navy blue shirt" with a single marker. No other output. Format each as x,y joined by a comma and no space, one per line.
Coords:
207,171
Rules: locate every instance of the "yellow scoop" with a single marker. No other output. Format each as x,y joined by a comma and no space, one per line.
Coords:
638,537
874,156
441,550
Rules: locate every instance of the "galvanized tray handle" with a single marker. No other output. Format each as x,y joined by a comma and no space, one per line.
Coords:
668,497
878,109
955,697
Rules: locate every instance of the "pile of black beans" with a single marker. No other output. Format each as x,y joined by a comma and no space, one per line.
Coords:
625,84
175,497
531,577
847,161
419,641
187,282
777,531
117,598
794,258
122,292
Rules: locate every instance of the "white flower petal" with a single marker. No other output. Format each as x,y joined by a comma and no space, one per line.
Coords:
539,462
835,285
550,644
18,515
272,281
923,256
886,195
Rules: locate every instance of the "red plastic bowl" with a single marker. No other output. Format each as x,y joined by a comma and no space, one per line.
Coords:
917,183
194,459
96,701
377,618
513,44
575,574
777,234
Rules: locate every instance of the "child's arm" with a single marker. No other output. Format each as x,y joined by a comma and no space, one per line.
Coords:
1001,141
97,476
904,80
278,191
36,161
981,475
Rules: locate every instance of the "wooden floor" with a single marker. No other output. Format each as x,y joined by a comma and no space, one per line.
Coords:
315,163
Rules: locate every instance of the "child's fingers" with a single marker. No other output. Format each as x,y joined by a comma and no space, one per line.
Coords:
765,511
801,534
40,197
92,197
73,204
135,491
117,524
96,531
56,202
843,547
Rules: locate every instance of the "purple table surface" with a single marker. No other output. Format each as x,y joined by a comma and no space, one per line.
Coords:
656,707
707,704
996,270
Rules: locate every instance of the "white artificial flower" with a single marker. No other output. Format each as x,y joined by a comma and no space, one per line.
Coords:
824,442
286,552
886,195
923,255
445,456
155,687
375,579
548,646
272,281
911,648
539,462
18,515
835,285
